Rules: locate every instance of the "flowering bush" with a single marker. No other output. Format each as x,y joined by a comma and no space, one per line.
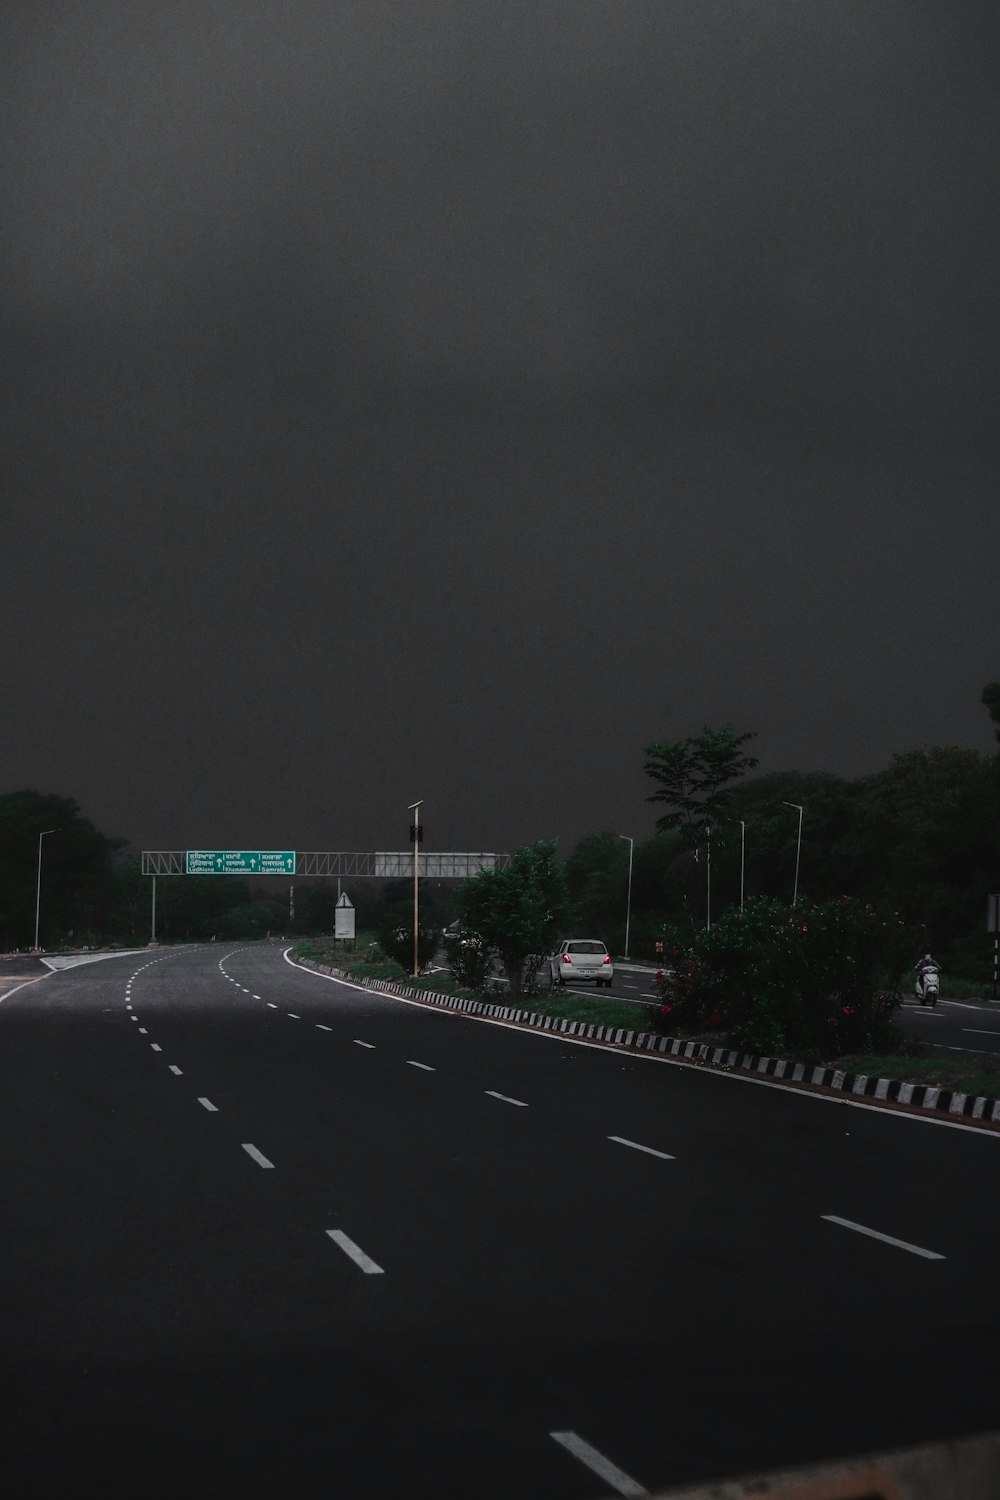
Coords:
821,979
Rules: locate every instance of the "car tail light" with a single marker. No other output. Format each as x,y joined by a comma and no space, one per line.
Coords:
567,959
607,958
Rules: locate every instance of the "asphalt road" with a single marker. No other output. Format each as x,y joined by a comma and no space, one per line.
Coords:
267,1234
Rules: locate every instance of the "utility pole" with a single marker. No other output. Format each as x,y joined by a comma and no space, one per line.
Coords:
416,834
798,850
38,881
628,899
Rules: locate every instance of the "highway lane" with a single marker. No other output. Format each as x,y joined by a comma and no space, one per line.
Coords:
175,1309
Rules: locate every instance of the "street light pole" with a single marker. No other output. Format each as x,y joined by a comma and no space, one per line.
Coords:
708,879
628,903
38,881
415,835
743,857
798,849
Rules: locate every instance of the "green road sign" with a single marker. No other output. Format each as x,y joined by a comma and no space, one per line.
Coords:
239,862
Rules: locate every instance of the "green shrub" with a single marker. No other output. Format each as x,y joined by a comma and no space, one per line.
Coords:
470,959
818,980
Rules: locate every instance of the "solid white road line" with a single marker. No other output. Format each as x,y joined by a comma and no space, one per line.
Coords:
261,1161
636,1147
598,1464
321,1027
175,1069
355,1252
887,1238
426,1066
207,1104
977,1031
506,1099
666,1060
156,1046
47,975
369,1045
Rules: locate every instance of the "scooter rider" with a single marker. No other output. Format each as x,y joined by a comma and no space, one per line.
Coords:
923,966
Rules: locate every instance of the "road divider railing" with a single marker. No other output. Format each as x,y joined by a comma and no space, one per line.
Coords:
888,1092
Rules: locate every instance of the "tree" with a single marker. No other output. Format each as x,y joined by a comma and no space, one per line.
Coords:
77,877
518,911
991,702
694,774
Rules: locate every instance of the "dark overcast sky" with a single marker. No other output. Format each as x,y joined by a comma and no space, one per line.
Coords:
443,399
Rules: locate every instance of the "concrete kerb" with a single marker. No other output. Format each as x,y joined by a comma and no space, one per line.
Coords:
888,1092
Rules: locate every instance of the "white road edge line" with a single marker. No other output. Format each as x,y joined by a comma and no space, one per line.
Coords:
636,1147
207,1104
260,1159
426,1066
977,1031
886,1238
355,1252
598,1464
664,1059
506,1098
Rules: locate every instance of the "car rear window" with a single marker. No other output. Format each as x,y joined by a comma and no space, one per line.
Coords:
585,948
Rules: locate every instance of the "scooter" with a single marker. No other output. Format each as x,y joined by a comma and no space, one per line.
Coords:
928,986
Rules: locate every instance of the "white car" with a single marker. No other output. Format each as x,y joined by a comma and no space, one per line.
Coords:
581,958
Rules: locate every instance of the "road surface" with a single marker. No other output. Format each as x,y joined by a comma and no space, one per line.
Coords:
268,1234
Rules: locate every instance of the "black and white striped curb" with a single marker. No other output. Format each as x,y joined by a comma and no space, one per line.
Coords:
861,1085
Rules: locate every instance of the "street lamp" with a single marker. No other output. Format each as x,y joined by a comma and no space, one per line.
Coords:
416,834
798,848
38,882
628,903
743,857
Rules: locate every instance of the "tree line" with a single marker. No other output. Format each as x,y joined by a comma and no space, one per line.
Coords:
920,838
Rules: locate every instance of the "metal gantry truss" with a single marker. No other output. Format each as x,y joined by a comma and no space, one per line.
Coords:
381,865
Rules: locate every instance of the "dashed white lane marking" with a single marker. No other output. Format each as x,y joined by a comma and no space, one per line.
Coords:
143,1031
637,1147
369,1045
426,1066
207,1104
133,1018
321,1027
271,1005
156,1046
260,1159
175,1069
293,1016
506,1099
355,1252
886,1238
256,997
598,1464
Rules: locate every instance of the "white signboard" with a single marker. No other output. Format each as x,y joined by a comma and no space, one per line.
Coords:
343,918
